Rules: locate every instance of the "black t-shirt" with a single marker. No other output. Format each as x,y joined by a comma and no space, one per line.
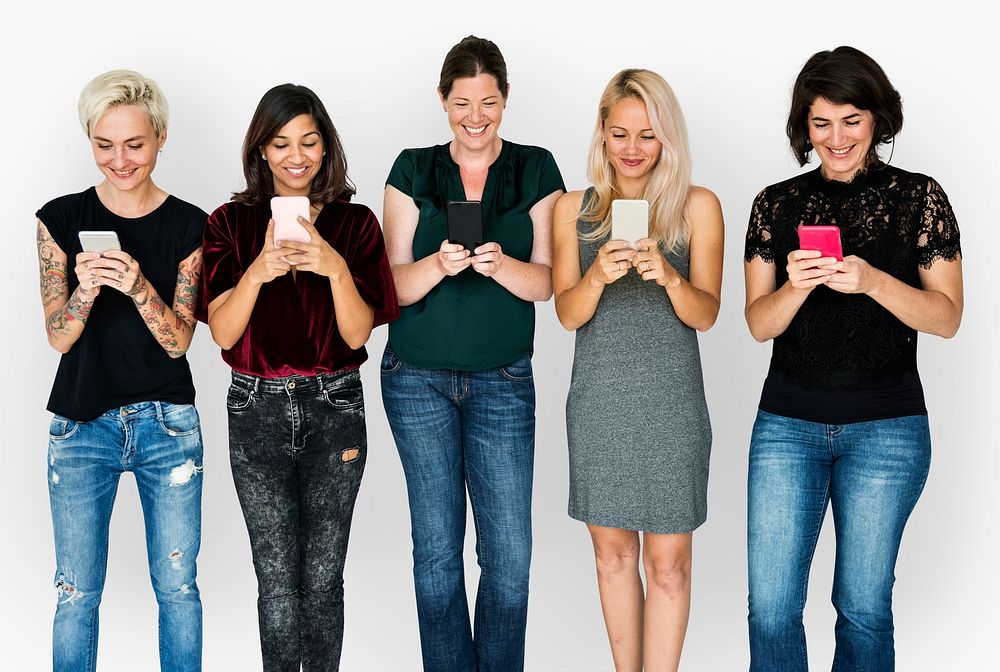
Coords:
116,360
844,358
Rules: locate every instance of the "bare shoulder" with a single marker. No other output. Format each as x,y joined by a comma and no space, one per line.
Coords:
567,208
702,201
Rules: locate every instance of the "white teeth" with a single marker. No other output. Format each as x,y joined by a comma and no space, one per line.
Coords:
123,173
296,171
475,131
840,152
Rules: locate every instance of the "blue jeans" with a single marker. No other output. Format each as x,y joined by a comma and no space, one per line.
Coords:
161,444
297,447
456,430
871,473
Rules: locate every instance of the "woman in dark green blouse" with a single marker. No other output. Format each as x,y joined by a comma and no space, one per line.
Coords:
456,374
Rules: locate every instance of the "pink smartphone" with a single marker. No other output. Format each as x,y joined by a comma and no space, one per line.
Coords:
826,239
285,211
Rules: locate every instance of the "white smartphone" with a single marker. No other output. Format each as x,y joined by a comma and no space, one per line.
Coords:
285,211
629,220
99,241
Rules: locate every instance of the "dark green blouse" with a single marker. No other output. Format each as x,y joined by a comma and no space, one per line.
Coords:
468,321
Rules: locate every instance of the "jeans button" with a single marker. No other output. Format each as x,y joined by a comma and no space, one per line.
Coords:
290,385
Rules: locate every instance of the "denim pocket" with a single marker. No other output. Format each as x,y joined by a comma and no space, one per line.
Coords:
178,419
346,398
62,428
238,399
519,371
390,361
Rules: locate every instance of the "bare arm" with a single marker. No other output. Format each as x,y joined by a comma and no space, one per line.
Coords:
173,326
531,280
65,314
229,313
695,299
413,279
577,292
934,308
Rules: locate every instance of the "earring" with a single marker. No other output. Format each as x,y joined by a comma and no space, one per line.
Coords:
263,158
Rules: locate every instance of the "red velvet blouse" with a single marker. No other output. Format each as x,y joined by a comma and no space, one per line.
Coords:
293,326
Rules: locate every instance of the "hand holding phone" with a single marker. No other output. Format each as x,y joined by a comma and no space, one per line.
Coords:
285,211
629,220
825,239
99,241
465,224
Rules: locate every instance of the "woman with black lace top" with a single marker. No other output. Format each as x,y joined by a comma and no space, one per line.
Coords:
842,417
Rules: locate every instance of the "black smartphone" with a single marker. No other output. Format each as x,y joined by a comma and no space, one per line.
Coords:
465,224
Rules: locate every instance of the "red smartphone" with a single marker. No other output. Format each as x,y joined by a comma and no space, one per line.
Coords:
826,239
285,211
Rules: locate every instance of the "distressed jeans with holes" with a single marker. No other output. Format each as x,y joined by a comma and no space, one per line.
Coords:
298,449
160,444
871,474
475,431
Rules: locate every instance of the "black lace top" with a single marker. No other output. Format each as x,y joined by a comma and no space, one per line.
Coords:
844,358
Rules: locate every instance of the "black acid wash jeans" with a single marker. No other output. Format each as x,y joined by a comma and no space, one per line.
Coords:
298,448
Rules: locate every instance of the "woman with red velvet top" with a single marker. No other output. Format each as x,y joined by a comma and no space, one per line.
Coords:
292,319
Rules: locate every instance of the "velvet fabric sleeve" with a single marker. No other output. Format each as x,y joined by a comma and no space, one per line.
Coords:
370,269
220,271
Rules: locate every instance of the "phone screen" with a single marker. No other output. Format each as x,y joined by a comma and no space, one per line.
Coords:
629,220
465,224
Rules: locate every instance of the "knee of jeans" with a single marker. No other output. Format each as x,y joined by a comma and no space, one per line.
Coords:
69,594
867,609
773,612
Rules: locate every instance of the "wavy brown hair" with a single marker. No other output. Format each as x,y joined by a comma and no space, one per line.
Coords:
278,107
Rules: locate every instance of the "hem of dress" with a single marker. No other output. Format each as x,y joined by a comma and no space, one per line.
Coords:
629,525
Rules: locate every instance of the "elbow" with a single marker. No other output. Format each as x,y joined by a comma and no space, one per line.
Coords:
224,341
949,330
59,346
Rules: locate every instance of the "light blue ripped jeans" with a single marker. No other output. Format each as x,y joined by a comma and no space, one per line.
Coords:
161,444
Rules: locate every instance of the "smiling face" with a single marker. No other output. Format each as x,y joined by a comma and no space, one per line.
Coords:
841,135
125,146
295,155
475,110
632,147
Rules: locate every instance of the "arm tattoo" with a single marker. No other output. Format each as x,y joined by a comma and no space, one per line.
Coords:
76,309
51,269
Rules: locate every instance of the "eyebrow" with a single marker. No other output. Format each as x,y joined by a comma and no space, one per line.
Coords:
132,139
622,128
850,116
285,137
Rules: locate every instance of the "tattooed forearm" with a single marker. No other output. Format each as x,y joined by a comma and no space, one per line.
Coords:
77,309
172,327
188,275
51,268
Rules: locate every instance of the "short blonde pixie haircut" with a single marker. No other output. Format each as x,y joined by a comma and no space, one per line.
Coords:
122,87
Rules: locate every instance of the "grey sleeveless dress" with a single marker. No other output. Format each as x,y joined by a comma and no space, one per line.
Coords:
636,418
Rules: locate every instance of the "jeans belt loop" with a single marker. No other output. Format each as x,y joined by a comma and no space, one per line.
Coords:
159,411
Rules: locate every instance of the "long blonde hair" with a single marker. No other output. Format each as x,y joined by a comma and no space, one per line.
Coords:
670,180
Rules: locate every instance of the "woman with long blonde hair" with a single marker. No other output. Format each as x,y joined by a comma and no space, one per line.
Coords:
639,464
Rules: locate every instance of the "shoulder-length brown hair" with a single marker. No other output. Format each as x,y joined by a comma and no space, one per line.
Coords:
844,76
278,107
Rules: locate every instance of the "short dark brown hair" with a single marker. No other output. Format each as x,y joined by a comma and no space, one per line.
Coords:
278,107
844,76
469,58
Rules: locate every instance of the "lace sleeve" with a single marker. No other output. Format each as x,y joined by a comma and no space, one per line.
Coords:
758,241
937,230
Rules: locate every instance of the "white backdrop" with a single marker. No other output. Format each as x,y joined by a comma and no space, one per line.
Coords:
375,65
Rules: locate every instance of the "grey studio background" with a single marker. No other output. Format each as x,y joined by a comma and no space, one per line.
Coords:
375,65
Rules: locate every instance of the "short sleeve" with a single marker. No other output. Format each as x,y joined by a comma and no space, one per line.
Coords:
937,232
549,178
758,240
401,174
194,231
55,216
220,271
371,271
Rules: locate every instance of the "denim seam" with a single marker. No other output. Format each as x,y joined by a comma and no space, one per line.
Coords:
812,554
